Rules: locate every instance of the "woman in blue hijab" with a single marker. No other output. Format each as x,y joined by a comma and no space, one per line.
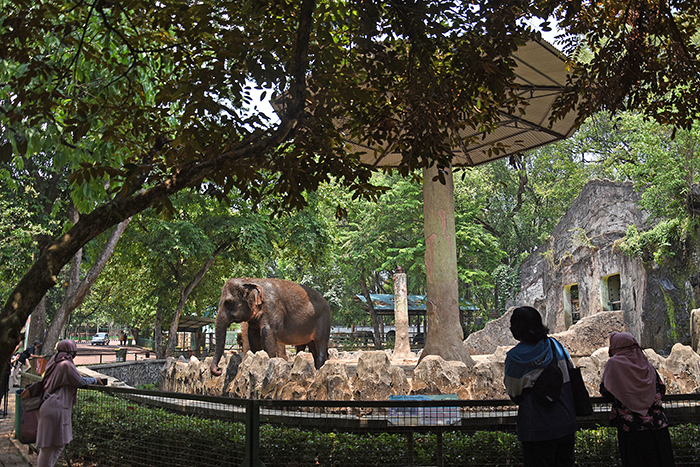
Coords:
546,430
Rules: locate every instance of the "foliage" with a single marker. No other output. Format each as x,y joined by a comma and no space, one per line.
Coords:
131,426
17,233
481,448
598,445
375,238
158,256
579,238
637,55
659,243
662,162
32,205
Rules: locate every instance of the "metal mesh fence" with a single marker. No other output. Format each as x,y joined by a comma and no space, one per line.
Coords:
127,427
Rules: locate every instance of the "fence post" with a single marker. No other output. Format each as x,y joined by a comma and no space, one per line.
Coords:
411,448
252,435
439,454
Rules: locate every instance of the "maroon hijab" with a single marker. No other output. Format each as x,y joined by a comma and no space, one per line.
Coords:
57,373
628,375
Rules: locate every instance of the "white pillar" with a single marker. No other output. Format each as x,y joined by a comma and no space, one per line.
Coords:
402,346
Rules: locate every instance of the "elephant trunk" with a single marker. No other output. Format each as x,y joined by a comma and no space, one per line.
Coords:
221,328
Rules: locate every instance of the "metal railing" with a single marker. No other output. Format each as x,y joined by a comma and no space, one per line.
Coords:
123,426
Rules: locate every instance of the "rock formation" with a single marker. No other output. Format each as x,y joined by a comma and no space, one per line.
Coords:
331,382
581,339
375,378
582,255
496,333
591,333
433,375
680,370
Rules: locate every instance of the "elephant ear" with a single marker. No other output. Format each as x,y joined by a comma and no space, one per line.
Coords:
255,298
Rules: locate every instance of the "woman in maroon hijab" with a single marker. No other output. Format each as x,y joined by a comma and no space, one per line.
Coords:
61,383
635,389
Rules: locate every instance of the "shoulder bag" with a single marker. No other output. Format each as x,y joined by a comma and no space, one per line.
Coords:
33,396
582,400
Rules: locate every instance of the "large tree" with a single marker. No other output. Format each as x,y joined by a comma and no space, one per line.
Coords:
145,99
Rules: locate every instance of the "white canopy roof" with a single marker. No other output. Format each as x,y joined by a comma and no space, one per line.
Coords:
541,76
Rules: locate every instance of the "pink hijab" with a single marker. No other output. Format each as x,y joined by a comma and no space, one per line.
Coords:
54,379
628,375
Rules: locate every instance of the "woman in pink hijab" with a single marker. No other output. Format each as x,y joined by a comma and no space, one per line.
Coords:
635,389
61,383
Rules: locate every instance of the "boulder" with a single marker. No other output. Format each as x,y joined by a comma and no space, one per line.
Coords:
259,376
681,370
495,334
581,339
591,333
300,379
486,379
249,375
331,383
695,329
166,379
376,378
434,375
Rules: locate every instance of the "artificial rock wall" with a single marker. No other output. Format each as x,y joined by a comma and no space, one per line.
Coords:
376,378
655,299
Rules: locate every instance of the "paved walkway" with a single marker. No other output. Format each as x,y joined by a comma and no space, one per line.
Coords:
12,452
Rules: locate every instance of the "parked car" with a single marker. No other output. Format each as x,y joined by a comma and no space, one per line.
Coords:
101,338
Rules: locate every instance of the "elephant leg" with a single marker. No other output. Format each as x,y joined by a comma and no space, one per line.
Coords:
245,342
269,342
301,348
282,351
254,339
320,353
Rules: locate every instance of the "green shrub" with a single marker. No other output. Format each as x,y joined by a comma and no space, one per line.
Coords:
597,447
686,444
111,431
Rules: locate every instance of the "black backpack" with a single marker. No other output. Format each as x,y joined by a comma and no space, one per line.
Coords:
547,387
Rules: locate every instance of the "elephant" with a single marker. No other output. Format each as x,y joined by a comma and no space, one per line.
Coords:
276,312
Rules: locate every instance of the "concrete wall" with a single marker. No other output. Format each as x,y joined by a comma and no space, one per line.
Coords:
132,373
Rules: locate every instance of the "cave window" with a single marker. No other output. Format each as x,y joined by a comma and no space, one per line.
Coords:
610,292
572,309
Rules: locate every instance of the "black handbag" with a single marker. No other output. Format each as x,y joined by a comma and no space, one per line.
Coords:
582,400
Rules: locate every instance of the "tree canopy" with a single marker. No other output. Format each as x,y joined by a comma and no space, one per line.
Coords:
138,101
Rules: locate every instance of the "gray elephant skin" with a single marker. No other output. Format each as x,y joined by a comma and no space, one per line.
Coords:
275,310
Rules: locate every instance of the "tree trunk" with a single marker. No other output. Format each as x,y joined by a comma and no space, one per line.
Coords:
444,336
184,294
37,324
372,313
158,335
78,290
